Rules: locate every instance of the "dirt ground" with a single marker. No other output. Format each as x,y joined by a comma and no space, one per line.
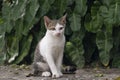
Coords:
22,73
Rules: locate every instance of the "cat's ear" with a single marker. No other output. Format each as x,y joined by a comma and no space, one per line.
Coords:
47,20
63,19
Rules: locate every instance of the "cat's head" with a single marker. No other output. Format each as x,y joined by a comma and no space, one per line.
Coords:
55,27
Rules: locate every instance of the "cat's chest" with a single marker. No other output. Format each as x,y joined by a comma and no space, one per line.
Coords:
52,46
49,43
54,41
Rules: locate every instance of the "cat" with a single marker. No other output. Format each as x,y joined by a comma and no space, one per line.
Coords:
48,54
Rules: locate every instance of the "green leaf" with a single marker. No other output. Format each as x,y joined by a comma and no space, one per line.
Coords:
75,50
2,28
95,8
19,28
93,20
12,47
25,47
81,7
45,7
29,17
107,2
106,14
18,9
75,54
61,6
6,15
75,22
104,43
111,14
95,24
2,48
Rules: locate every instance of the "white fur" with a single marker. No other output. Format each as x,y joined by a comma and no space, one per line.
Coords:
52,47
46,74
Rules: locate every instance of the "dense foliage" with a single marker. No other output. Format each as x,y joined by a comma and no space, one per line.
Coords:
92,30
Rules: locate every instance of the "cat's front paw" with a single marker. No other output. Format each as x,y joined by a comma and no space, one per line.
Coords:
60,73
57,75
46,74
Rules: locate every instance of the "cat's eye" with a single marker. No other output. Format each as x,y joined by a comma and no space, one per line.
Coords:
61,28
52,29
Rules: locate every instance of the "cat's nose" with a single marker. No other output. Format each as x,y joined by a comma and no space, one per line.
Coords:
58,34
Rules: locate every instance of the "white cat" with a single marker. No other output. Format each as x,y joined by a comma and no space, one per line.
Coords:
49,51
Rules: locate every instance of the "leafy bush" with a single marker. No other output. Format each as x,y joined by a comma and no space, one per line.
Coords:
92,30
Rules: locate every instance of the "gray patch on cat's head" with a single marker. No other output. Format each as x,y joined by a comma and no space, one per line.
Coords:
52,24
